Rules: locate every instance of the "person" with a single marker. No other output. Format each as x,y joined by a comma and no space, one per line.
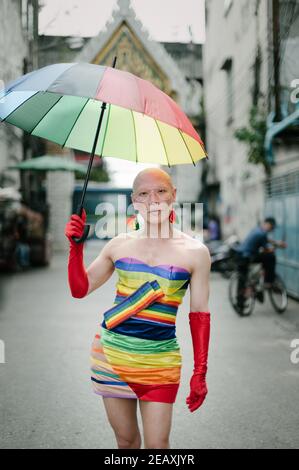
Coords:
249,251
22,245
135,355
214,228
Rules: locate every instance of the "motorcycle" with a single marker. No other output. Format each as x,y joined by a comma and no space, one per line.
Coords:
222,255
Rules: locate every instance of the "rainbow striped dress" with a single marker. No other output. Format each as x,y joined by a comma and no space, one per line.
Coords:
140,356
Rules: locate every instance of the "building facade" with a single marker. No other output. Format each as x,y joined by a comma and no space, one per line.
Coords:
13,56
282,143
235,33
249,64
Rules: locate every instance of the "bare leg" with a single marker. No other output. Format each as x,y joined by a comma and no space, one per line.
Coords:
156,420
122,416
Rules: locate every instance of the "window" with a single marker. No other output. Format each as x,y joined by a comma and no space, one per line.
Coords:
24,7
228,68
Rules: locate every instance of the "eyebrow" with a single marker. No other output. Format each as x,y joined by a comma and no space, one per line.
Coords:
147,189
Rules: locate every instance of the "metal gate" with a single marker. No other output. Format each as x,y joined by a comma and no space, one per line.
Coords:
282,202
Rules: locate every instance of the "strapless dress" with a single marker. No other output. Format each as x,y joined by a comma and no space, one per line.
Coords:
140,357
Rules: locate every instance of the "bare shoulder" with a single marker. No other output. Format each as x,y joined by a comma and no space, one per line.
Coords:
195,253
198,254
115,243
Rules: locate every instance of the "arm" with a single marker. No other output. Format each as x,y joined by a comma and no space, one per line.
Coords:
277,243
81,281
102,268
200,280
199,321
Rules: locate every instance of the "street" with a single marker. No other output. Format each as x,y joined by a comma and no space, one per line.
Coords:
46,395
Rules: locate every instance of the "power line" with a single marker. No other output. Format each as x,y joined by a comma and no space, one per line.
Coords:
215,108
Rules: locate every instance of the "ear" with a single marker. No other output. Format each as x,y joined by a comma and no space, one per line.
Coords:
133,201
174,193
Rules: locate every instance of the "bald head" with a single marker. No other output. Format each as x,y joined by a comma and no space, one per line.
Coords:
148,173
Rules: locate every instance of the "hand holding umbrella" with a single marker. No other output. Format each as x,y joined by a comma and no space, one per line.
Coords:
77,275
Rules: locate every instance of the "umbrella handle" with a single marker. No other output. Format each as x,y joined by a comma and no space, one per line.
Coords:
86,228
80,207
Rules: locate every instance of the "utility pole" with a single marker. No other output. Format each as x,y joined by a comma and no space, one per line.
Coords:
35,6
30,63
276,57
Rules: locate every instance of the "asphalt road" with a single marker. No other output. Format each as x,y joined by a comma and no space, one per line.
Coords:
46,400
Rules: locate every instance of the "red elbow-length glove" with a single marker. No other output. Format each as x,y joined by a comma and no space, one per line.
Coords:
77,275
200,331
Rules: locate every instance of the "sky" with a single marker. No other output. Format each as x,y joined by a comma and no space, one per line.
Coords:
165,20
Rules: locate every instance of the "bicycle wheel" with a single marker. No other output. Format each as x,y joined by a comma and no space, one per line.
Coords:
278,295
248,301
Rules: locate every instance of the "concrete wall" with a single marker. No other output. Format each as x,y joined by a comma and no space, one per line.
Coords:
13,50
234,36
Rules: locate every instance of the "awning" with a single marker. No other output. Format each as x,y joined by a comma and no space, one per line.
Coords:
275,129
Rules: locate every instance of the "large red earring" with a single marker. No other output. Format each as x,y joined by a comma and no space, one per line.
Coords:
172,216
137,226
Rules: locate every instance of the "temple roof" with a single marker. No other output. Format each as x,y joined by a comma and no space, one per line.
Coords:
125,35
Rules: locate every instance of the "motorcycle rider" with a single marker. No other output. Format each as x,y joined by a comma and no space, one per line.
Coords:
249,251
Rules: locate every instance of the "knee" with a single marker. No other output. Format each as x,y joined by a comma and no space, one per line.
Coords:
130,441
157,443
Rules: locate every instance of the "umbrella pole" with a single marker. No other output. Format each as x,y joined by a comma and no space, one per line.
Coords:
80,206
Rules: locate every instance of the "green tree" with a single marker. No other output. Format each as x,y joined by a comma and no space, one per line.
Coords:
254,137
98,174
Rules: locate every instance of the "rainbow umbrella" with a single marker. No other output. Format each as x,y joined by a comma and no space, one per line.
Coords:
104,111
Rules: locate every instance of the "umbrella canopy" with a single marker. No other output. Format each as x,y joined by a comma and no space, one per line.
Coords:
49,163
62,103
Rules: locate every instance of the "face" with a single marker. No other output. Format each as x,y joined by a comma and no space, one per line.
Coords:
153,198
268,227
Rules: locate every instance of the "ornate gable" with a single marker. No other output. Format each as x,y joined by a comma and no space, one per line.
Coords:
132,56
126,37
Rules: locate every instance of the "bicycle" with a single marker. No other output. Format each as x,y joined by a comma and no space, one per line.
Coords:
254,290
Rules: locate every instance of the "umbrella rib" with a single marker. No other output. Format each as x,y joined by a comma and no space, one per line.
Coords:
5,96
105,132
135,137
46,113
181,134
3,120
162,142
75,122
